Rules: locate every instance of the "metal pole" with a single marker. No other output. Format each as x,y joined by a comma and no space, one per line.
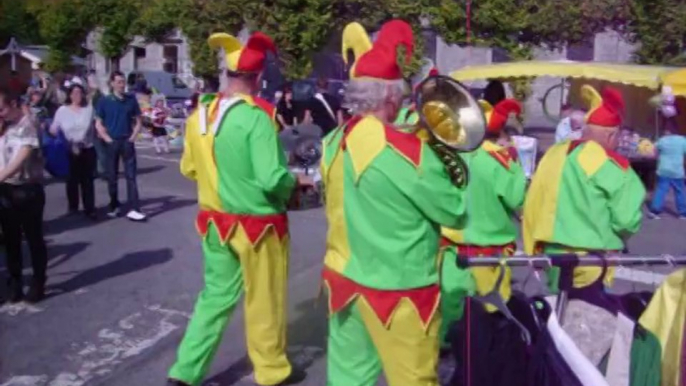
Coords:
545,261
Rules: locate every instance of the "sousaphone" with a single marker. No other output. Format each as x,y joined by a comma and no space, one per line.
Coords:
454,120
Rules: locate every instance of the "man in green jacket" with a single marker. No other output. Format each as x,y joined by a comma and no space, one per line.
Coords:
584,196
387,193
233,154
496,189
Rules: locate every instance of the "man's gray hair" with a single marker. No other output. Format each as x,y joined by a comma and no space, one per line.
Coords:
367,95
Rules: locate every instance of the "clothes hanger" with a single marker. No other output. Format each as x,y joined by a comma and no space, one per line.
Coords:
495,299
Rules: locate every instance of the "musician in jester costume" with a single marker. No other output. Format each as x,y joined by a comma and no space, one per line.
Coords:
408,114
233,154
387,193
584,196
496,190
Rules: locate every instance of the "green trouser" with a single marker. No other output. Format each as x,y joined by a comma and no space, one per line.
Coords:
456,285
213,309
262,271
360,347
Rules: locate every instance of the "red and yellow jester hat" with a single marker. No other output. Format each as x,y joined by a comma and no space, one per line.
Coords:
378,61
497,115
606,109
247,59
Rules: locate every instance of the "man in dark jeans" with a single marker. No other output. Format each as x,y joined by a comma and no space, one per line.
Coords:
118,120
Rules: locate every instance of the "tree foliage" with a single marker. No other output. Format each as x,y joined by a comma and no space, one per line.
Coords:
301,28
197,19
659,26
17,21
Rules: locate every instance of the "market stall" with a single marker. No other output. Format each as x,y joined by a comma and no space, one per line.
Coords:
637,83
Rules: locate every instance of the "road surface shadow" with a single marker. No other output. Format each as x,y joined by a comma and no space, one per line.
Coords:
129,263
154,207
148,170
57,254
61,253
306,343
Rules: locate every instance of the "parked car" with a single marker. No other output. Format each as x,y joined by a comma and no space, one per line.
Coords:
175,90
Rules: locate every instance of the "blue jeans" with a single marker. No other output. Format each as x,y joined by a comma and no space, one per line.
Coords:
662,188
125,150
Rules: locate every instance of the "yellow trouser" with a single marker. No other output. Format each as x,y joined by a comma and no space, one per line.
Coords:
360,347
262,271
582,276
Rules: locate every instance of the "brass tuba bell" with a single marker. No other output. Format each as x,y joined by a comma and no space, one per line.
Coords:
453,118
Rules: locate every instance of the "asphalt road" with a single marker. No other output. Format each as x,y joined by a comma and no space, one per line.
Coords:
121,293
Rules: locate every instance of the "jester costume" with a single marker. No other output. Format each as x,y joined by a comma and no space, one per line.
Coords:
583,196
495,192
233,154
386,194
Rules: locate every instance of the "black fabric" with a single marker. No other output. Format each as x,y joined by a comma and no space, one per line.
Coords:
80,180
287,111
320,114
158,131
497,354
547,367
21,214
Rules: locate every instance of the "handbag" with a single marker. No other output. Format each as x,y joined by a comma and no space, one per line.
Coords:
56,154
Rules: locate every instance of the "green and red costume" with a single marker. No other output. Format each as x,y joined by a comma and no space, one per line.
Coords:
233,154
496,190
386,195
584,197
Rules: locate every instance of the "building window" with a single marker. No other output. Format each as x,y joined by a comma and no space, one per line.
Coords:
171,59
139,54
583,52
111,65
500,56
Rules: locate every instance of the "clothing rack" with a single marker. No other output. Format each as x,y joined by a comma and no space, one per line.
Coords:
567,263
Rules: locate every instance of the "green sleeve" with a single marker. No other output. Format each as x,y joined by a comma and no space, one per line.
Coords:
511,186
625,194
268,158
430,189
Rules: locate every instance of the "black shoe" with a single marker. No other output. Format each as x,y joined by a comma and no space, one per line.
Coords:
174,382
36,291
73,211
296,377
15,291
91,216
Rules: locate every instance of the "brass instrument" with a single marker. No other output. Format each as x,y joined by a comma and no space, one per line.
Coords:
454,120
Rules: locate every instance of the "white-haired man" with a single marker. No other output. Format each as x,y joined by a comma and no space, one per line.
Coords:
387,193
233,153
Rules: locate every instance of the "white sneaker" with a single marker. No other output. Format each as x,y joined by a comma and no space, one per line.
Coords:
135,215
653,216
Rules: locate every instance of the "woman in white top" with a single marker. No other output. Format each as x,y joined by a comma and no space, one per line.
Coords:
75,120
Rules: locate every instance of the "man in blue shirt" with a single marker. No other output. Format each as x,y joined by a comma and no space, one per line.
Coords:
671,149
118,121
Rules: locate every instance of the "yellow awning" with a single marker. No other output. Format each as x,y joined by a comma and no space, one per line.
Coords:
630,74
676,80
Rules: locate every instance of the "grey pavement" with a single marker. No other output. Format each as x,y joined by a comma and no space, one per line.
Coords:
121,293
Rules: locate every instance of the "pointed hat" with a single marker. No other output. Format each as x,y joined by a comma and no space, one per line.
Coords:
380,59
246,59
